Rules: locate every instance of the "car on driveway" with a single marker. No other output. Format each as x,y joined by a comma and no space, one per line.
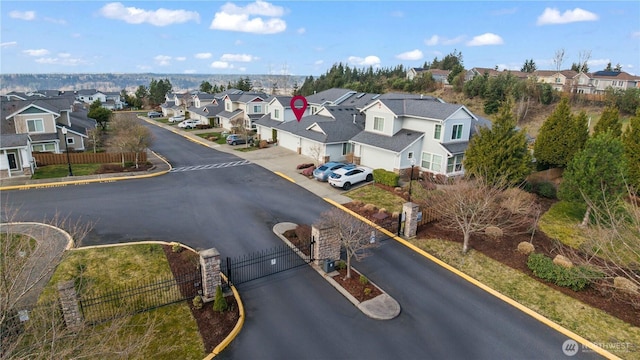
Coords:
322,172
176,119
188,124
154,114
235,139
346,177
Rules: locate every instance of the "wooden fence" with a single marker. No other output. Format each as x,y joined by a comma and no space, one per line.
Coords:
87,158
428,215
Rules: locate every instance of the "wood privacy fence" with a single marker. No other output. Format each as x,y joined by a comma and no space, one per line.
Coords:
87,158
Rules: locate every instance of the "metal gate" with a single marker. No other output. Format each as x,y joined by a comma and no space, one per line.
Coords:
267,262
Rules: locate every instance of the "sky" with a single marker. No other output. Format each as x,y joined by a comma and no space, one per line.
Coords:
308,37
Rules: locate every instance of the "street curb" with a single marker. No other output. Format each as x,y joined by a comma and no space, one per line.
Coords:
70,242
482,286
88,181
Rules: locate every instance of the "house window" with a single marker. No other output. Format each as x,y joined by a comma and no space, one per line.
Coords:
558,80
71,141
347,148
437,132
457,132
35,125
276,113
454,163
378,123
227,106
43,147
432,162
257,109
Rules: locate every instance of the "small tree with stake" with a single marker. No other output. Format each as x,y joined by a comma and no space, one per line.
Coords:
354,235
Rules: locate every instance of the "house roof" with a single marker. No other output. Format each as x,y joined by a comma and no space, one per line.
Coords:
230,115
8,141
430,108
396,143
330,96
266,120
340,127
620,75
456,148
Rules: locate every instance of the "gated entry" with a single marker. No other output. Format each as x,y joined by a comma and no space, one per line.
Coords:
266,262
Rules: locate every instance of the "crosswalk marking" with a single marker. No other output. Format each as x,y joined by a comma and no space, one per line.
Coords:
211,166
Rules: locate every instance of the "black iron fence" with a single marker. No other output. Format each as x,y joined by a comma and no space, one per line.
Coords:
266,262
143,297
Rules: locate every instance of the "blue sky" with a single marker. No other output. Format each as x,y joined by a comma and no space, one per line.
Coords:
307,37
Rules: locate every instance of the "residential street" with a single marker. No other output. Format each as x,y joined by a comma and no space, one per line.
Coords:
232,205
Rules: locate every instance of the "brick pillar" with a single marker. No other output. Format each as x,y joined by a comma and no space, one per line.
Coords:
410,211
210,267
327,244
69,304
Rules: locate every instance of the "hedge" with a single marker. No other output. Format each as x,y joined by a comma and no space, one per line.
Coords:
384,177
577,278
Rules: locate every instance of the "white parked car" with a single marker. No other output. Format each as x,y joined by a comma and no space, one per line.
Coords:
347,176
188,124
176,119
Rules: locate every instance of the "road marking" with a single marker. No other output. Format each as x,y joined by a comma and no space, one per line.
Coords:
284,176
211,166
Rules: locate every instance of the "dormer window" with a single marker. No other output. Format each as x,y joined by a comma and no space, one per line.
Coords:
378,123
456,134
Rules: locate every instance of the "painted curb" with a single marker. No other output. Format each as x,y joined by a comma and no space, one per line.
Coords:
484,287
88,181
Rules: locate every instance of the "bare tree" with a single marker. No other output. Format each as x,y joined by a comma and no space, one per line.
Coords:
316,152
242,126
558,58
473,206
95,138
583,58
129,136
354,235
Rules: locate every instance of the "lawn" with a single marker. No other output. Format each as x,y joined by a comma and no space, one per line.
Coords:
220,139
99,270
60,171
561,222
371,194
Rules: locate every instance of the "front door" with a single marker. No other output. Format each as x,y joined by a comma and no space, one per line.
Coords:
274,135
13,162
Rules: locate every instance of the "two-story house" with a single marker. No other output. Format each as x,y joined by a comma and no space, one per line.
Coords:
618,80
109,99
559,80
247,106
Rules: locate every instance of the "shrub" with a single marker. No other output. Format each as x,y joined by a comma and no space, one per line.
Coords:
363,280
175,247
525,248
384,177
369,207
340,265
220,303
545,189
576,278
367,291
197,302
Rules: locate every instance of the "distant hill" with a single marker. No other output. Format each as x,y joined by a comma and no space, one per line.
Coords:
130,82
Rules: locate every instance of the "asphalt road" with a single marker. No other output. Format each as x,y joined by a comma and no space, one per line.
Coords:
295,314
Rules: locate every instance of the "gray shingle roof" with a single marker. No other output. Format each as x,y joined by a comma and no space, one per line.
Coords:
8,141
340,128
229,115
327,96
456,148
267,121
425,108
396,143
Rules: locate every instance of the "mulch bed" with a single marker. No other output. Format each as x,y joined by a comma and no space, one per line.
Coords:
116,168
355,287
212,325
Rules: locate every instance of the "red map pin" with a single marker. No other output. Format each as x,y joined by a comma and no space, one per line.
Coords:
299,111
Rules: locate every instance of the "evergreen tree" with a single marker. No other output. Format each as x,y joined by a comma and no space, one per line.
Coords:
561,136
631,142
500,152
206,87
219,302
596,175
609,121
529,66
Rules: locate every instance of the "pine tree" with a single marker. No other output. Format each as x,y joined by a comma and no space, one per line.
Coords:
610,120
561,136
220,303
596,174
631,142
499,153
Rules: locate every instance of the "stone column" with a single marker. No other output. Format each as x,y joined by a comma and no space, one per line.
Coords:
410,211
327,244
69,303
210,268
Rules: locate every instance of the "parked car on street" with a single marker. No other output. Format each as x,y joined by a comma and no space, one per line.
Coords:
188,124
235,139
154,114
345,178
176,119
322,172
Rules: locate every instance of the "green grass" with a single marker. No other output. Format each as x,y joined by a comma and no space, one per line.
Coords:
561,222
221,139
99,270
373,195
591,323
58,171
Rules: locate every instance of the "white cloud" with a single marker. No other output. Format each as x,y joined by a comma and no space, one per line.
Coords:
160,17
190,71
318,62
438,40
486,39
203,55
64,61
23,15
36,52
221,65
64,55
370,60
301,31
237,18
410,55
162,60
238,57
553,16
8,43
181,58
